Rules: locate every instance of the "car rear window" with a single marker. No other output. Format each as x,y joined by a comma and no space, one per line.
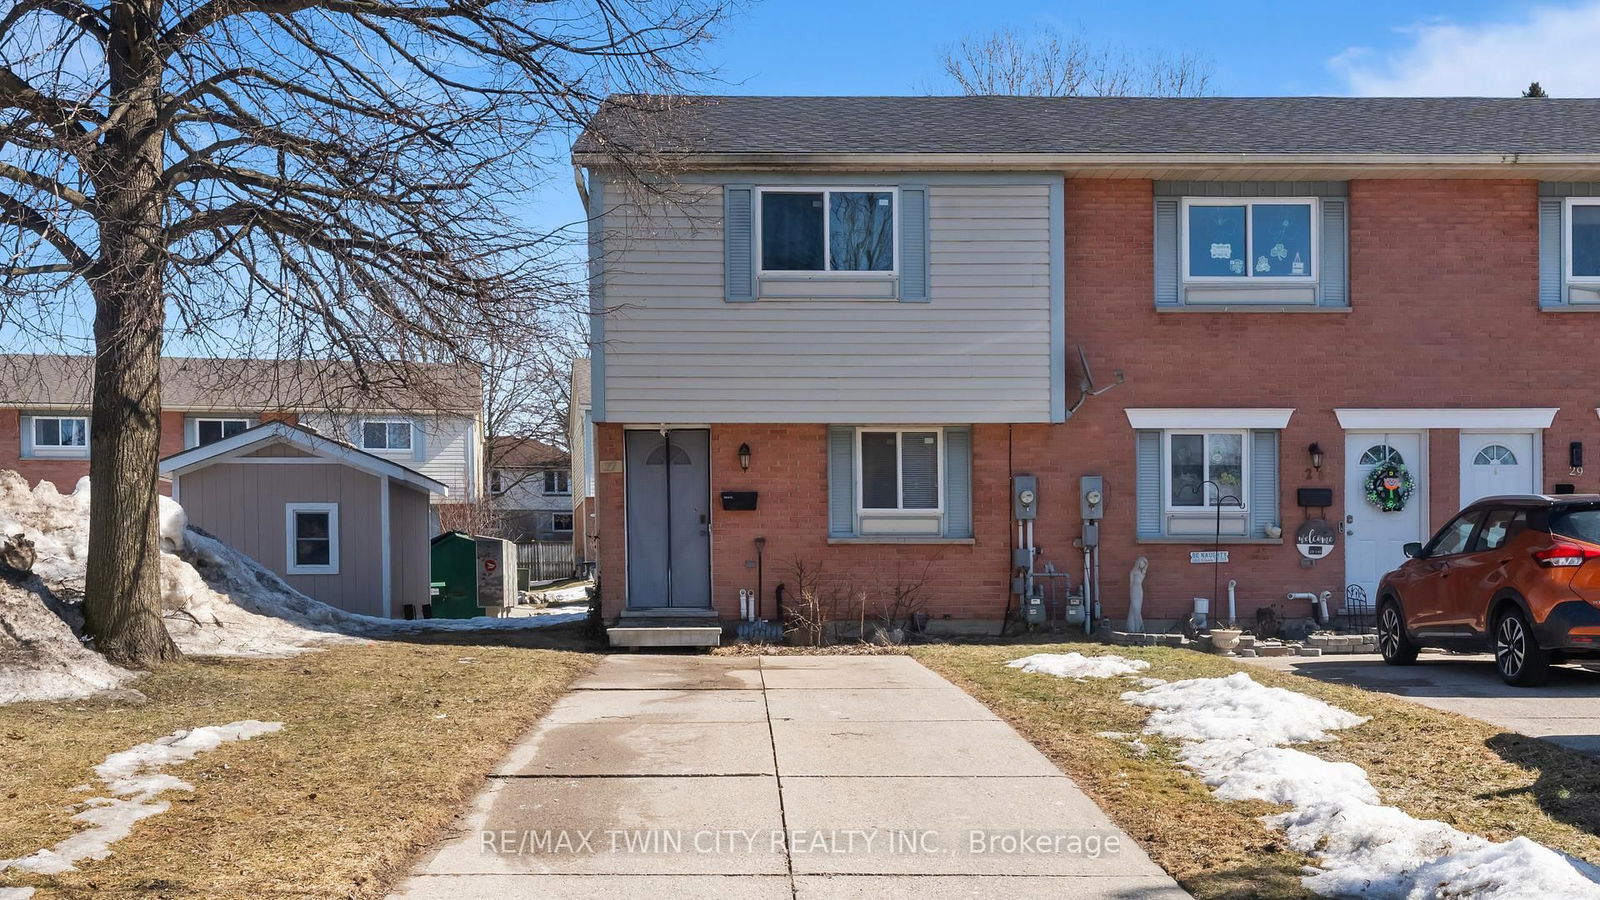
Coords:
1581,522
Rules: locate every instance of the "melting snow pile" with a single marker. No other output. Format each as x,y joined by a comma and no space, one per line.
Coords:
215,600
1076,665
135,782
1235,730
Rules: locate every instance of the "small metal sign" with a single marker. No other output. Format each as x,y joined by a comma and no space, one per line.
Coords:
1314,538
1198,557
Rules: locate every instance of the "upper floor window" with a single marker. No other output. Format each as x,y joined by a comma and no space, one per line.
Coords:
59,435
1583,240
498,482
828,230
556,481
209,431
1233,238
385,435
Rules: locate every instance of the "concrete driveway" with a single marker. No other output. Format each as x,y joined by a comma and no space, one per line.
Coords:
780,777
1566,710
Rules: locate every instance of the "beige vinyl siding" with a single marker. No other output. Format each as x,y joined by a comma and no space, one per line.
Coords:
675,351
242,504
447,447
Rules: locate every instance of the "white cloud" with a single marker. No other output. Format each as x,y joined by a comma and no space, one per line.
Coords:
1551,45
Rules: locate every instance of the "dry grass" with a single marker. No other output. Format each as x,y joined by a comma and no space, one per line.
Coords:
1430,763
383,744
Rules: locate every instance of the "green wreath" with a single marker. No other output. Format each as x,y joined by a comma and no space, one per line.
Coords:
1389,486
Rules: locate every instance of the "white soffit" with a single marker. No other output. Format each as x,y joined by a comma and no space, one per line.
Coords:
1411,419
1214,418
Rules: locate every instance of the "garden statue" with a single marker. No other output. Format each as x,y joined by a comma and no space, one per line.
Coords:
1136,594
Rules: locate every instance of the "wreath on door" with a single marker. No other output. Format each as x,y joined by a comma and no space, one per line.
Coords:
1389,486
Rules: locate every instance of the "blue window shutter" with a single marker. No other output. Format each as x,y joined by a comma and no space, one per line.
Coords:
419,440
1552,269
841,481
914,243
958,482
738,242
1166,251
1148,468
1333,289
1263,498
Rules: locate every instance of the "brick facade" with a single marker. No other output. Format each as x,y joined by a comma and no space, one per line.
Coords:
1443,286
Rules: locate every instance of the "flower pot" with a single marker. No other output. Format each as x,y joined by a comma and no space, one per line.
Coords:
1223,640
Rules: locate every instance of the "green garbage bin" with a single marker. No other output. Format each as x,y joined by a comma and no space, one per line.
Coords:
455,576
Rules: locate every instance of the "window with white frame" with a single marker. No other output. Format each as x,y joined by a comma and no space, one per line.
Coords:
498,481
312,537
59,435
557,481
1237,239
828,230
561,522
1205,469
1583,240
898,483
386,435
209,431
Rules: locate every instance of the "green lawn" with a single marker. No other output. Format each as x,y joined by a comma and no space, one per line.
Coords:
382,745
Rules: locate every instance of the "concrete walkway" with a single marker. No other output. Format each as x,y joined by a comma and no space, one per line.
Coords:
780,777
1565,710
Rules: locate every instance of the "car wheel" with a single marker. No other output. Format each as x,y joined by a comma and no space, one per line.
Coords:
1517,654
1393,643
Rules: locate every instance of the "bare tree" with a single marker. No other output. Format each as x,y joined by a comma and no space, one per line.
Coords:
1047,63
291,178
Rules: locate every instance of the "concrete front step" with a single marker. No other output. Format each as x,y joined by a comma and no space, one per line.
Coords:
655,632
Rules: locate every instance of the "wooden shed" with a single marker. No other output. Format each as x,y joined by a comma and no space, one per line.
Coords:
338,524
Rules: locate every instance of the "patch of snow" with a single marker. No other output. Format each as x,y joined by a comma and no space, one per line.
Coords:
1149,682
1076,665
1237,730
215,601
134,779
15,893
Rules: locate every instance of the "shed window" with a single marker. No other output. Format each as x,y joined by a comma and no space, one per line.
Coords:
385,435
312,538
828,230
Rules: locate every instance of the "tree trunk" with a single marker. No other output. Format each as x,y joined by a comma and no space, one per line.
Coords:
122,593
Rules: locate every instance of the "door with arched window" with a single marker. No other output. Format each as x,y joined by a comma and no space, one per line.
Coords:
1375,538
668,518
1498,463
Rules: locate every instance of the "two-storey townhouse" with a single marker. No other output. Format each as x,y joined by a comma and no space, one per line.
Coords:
877,313
530,482
430,423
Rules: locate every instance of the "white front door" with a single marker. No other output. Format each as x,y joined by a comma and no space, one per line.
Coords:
1497,463
1373,538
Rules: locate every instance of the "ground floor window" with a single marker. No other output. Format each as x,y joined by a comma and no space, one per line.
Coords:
1198,482
58,436
312,536
911,481
561,522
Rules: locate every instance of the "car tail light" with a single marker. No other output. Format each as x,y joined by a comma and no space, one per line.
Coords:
1565,555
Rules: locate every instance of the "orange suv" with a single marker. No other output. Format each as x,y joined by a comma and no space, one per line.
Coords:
1519,575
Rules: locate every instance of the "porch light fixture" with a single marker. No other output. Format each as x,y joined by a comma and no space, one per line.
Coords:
744,457
1316,456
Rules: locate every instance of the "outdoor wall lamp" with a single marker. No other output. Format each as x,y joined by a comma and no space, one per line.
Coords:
1316,456
744,457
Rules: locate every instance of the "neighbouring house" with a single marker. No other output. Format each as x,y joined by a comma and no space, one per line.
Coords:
427,420
530,486
342,525
852,324
580,437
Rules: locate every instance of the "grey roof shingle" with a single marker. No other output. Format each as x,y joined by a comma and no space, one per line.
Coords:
1095,125
200,383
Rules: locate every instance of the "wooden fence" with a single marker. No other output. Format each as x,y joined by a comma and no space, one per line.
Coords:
544,561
